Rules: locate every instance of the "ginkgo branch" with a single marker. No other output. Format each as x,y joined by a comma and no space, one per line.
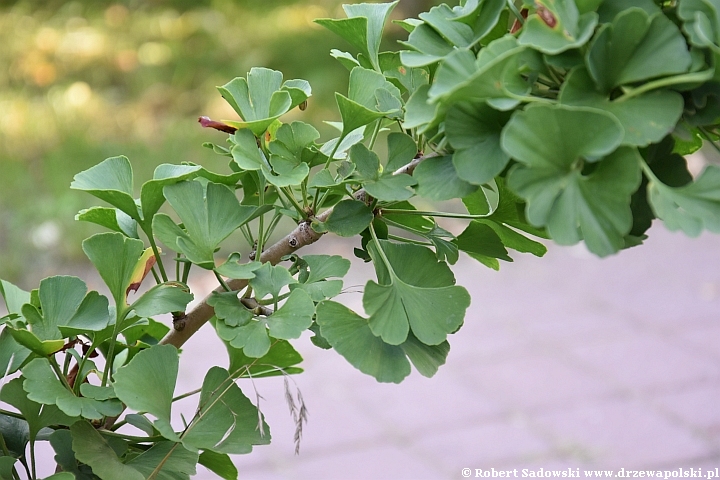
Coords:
302,236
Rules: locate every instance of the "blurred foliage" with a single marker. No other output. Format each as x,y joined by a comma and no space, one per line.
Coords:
82,81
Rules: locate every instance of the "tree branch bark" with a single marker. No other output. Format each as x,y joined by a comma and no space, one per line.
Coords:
302,236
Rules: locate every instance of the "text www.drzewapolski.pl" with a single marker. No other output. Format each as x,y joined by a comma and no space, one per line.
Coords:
707,474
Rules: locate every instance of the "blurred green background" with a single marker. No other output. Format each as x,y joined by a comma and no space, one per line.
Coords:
86,80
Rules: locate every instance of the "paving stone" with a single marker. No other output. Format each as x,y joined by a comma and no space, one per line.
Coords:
540,382
640,363
376,461
620,433
481,445
706,340
696,406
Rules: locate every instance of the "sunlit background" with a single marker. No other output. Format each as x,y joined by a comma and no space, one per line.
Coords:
82,81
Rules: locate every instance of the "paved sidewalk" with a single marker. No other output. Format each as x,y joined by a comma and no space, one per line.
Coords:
566,361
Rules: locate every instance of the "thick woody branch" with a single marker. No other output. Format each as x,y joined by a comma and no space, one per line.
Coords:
302,236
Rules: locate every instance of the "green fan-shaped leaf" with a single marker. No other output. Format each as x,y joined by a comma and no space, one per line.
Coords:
30,341
420,113
402,149
609,9
645,119
406,79
701,22
509,210
219,463
294,317
444,29
345,59
363,27
319,291
14,297
494,76
291,139
473,130
363,87
281,357
286,172
232,268
229,309
367,163
556,136
428,47
417,293
346,142
209,213
690,208
171,462
557,26
115,257
441,19
112,218
151,193
438,180
635,47
481,242
351,337
595,207
65,309
262,98
552,143
112,181
270,279
445,249
12,353
321,268
61,441
286,154
65,303
42,386
349,218
426,358
360,107
289,321
391,188
226,421
163,298
91,448
36,415
245,151
252,337
355,115
147,383
385,186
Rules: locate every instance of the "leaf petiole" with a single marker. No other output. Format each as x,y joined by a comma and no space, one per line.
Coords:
467,216
222,282
408,240
384,258
516,13
665,82
289,195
